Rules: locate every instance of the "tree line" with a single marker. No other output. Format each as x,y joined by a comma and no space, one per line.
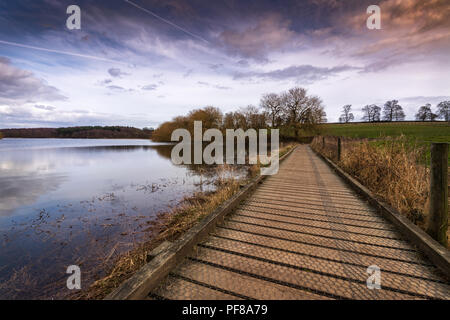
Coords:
392,111
85,132
288,111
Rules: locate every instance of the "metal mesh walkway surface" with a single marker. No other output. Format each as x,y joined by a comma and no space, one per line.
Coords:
303,234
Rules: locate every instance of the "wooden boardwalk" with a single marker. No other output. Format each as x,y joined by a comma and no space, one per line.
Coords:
303,234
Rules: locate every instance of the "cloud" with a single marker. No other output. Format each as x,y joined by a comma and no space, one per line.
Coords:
269,33
117,88
411,31
221,87
18,86
215,66
46,108
117,73
302,74
150,87
105,82
243,63
210,85
188,73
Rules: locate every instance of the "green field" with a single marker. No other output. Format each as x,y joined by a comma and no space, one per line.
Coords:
416,133
422,132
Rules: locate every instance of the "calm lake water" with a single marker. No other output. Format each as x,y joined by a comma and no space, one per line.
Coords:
81,202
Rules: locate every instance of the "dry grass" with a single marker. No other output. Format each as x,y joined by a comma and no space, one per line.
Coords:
392,171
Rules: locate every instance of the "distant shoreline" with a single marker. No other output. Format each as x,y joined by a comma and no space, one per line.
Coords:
81,138
85,132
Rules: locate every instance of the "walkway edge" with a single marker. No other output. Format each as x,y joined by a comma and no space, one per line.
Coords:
437,253
149,276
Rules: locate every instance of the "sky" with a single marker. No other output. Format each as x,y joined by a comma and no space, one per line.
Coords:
142,62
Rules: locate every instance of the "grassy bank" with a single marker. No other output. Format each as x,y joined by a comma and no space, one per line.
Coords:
169,226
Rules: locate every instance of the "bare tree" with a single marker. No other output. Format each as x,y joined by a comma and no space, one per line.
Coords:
294,104
399,115
376,113
372,113
393,111
425,113
254,118
314,112
444,110
272,104
211,117
301,110
367,113
346,115
229,121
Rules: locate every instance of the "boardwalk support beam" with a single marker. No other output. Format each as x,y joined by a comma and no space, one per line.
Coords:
438,214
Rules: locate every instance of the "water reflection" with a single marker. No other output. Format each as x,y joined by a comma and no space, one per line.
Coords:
74,202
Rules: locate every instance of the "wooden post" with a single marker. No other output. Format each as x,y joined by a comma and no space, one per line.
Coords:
438,219
323,142
339,149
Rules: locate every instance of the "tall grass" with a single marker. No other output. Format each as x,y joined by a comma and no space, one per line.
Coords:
392,171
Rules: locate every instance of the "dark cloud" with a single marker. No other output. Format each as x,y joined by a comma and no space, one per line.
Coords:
271,33
247,29
114,87
19,86
215,66
117,73
302,74
243,63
